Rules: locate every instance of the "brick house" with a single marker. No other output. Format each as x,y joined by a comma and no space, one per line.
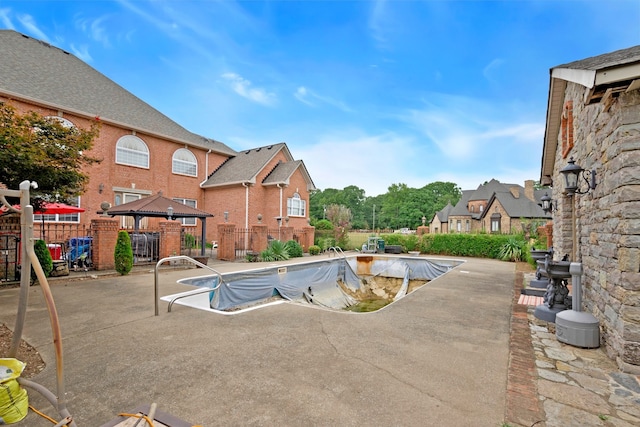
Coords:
144,152
593,116
496,208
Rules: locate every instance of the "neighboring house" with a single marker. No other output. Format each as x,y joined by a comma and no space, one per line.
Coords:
593,116
497,208
144,152
440,221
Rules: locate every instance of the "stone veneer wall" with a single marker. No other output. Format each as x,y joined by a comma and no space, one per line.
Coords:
607,218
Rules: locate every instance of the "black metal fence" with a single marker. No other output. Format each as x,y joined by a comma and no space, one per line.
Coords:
146,247
9,258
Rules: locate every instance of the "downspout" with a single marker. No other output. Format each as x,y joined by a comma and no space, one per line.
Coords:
246,204
280,214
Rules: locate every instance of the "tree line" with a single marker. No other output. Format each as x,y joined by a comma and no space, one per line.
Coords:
401,206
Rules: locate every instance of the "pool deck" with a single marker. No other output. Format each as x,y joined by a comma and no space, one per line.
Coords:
449,354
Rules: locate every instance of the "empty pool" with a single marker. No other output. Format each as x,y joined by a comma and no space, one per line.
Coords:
357,283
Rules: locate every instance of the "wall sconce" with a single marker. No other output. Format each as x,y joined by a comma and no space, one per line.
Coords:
572,173
100,188
279,219
286,220
548,204
259,218
170,213
226,216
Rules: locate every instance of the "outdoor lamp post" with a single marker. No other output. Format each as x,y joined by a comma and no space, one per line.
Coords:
548,204
572,174
170,213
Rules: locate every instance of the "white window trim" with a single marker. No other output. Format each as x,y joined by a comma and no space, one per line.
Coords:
193,163
125,150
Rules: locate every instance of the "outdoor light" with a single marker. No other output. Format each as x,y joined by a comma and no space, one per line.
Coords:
170,213
279,219
548,204
572,174
100,188
259,218
226,216
424,220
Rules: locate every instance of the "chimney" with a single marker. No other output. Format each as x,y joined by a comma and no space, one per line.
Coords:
528,190
515,191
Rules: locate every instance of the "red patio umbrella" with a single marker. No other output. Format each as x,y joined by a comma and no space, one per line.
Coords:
52,208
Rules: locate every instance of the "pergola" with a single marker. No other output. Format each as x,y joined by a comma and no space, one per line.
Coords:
158,206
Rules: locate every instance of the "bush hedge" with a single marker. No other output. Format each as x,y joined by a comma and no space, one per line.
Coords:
469,245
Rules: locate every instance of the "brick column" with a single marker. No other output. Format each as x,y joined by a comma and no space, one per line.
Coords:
423,229
286,234
105,235
547,230
226,242
169,238
308,237
259,241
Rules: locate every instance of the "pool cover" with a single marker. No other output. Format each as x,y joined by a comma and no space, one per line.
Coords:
316,282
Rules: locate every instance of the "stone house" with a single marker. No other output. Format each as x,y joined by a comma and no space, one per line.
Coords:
440,221
593,117
495,207
144,152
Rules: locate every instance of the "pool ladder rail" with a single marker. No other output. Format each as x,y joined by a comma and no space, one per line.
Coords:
197,291
338,251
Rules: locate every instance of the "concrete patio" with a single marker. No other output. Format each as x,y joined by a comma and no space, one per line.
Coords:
437,357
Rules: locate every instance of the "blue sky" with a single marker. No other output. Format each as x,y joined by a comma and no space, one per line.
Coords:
366,93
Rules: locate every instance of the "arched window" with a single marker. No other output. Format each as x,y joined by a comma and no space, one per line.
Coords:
132,151
296,206
184,162
64,122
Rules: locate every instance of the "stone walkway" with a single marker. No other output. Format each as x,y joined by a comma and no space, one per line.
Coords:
572,386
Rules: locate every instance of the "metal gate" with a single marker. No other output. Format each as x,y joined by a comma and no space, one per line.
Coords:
9,258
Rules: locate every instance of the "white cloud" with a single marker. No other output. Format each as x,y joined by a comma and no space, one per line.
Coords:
95,29
306,96
29,23
243,88
370,162
492,70
5,20
81,52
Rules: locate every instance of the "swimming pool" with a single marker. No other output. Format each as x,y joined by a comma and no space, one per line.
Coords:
334,283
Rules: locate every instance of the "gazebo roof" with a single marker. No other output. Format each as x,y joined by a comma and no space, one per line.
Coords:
156,206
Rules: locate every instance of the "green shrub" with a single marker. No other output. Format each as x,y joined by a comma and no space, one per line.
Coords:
512,250
276,251
123,254
189,241
314,250
471,245
44,257
293,248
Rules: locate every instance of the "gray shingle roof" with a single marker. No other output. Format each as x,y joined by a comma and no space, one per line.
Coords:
520,207
600,62
36,71
460,209
443,214
245,165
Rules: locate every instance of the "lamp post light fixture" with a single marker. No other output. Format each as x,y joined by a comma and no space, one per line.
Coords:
424,220
548,204
572,174
170,213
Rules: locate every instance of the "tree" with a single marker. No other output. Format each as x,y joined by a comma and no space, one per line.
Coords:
123,253
45,150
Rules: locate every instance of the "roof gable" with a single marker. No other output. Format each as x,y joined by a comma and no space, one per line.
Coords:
39,73
246,165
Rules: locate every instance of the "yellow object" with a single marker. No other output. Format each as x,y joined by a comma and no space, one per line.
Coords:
14,403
